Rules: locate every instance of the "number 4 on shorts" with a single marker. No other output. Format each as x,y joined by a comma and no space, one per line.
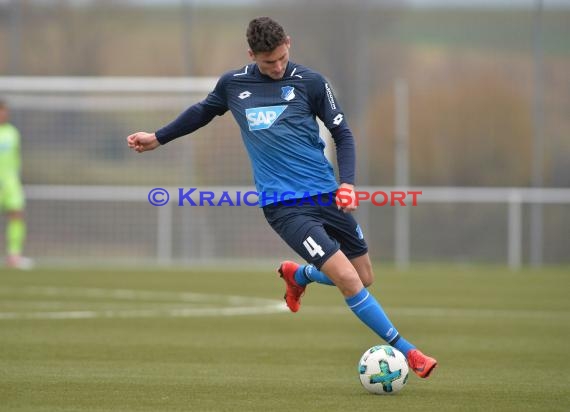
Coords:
313,247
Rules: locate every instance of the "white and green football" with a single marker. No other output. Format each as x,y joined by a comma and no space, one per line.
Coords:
383,370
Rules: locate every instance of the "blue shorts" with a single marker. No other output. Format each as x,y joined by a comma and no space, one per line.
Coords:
316,229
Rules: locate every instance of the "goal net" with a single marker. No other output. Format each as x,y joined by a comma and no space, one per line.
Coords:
87,193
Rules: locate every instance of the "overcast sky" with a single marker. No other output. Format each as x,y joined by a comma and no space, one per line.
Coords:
488,3
416,3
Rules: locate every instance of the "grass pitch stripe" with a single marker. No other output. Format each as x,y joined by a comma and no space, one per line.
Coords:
454,313
159,304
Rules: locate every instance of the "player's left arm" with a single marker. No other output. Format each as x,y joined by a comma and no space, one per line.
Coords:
327,108
346,159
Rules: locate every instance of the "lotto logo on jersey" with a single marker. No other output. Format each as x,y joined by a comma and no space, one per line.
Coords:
259,118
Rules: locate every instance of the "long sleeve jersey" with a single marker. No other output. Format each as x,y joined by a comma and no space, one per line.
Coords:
277,120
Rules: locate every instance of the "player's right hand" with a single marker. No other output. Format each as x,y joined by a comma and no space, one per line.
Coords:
142,141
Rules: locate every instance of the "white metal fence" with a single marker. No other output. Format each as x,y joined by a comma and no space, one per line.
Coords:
87,192
93,228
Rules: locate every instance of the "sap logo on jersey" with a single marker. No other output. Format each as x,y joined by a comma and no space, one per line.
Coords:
260,118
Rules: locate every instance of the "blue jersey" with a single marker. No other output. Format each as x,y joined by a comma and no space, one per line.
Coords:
277,119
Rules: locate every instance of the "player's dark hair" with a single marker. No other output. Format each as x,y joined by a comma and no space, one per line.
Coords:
265,35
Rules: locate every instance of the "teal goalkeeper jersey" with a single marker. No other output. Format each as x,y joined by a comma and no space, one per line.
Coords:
9,151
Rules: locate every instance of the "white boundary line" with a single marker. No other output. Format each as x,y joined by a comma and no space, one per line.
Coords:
187,304
219,305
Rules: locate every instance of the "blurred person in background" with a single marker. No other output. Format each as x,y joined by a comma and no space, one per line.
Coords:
12,200
275,103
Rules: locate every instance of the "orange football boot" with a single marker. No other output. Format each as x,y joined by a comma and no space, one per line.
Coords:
421,364
294,291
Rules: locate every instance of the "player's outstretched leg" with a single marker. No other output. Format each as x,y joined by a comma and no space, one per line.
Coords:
365,306
370,312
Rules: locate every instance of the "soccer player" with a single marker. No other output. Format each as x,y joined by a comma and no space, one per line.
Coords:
11,193
275,103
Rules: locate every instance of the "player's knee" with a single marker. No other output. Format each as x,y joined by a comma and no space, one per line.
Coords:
364,269
348,282
367,279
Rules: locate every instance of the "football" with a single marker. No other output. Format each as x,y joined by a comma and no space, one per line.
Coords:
383,370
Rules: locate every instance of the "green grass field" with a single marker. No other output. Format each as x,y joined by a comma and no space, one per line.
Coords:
188,340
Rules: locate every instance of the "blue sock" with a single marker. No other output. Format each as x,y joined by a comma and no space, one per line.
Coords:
369,311
306,274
